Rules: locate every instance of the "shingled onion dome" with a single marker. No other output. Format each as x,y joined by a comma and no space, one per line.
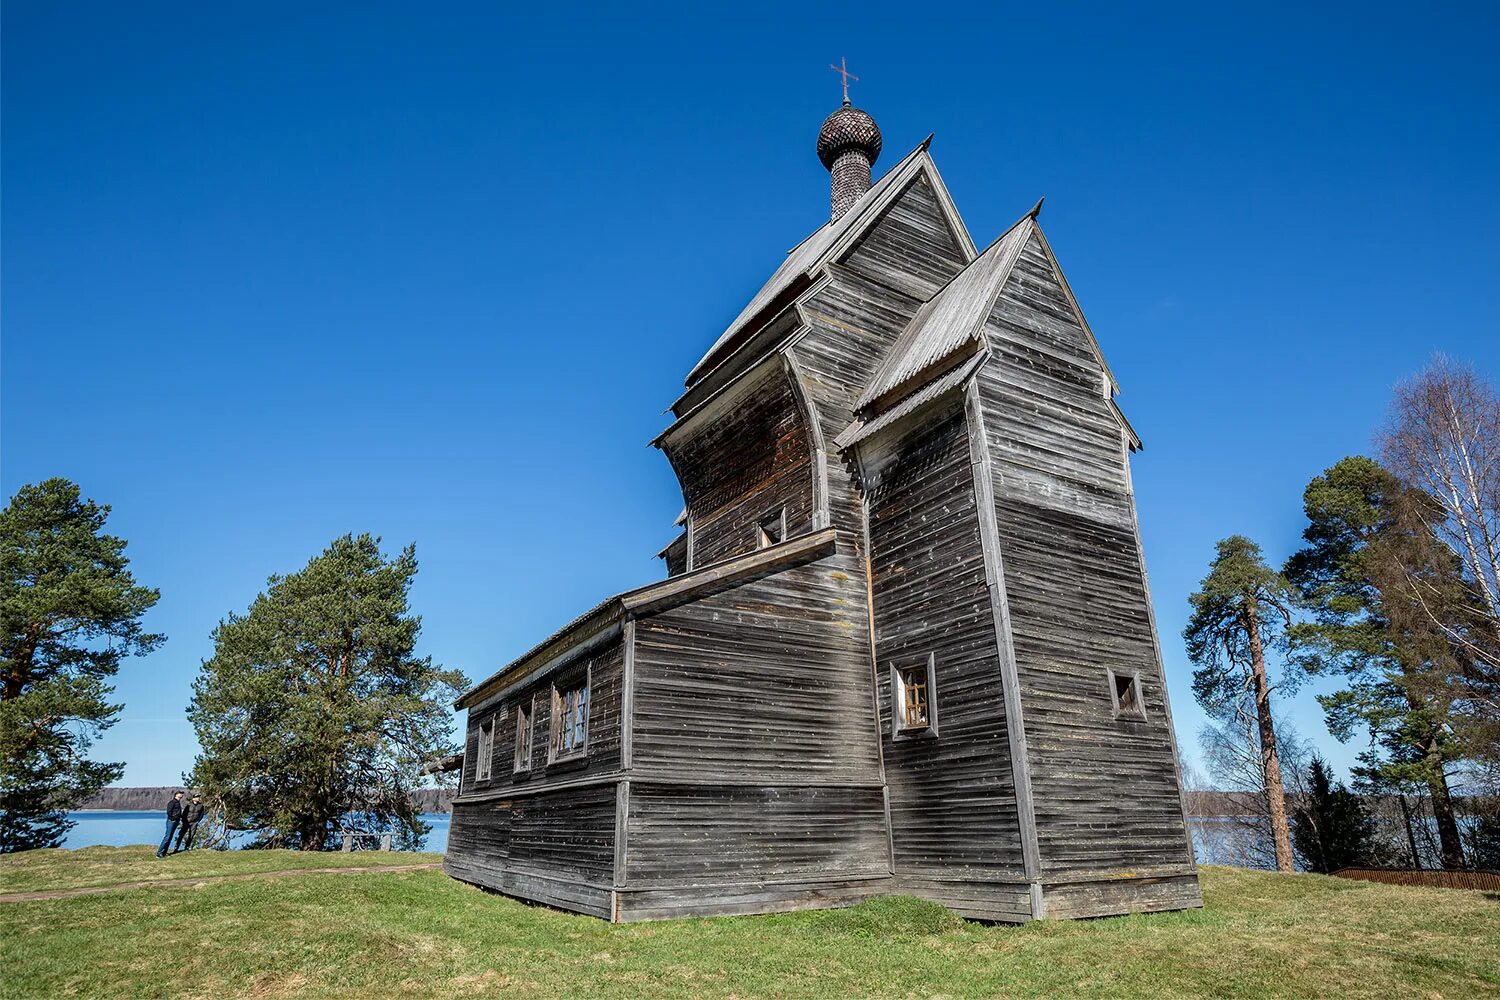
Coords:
848,145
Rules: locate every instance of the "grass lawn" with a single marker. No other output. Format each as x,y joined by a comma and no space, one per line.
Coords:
421,934
32,871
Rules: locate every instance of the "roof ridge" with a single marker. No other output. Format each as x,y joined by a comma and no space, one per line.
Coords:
856,207
823,240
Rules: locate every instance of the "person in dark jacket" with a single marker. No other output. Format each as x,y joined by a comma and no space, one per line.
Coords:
192,815
174,817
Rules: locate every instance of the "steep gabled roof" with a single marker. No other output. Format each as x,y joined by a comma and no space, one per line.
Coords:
820,247
952,318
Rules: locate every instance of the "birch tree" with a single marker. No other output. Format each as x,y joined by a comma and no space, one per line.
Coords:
1443,438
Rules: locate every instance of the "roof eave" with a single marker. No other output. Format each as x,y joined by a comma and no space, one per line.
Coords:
584,632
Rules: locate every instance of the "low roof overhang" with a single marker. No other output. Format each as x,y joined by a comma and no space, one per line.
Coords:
602,623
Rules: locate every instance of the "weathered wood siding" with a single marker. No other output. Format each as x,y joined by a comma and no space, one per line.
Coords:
1105,898
606,672
754,755
855,317
912,247
763,683
519,832
713,833
553,847
1105,790
653,902
953,805
752,462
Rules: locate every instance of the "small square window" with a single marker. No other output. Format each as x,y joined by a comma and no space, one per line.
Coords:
771,530
523,737
570,717
486,749
1125,693
913,697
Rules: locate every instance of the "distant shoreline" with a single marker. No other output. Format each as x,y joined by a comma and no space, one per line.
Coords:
146,798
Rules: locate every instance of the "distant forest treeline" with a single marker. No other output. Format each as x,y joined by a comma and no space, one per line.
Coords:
430,799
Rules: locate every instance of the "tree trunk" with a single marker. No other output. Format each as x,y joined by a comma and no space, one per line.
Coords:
1411,834
1281,838
1437,786
1442,811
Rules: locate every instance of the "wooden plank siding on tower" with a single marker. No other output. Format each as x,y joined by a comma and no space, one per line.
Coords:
954,824
1104,788
886,656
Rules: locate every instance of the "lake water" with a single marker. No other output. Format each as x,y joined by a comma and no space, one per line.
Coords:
1216,839
120,828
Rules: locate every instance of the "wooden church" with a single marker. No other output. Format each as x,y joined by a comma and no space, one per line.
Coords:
905,642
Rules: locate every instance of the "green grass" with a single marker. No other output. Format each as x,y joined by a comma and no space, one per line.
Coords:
421,934
32,871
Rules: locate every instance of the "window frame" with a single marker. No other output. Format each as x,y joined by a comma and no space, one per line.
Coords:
560,687
484,757
900,666
525,713
1133,679
763,538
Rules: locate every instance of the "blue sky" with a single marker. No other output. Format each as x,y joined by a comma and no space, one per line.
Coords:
274,273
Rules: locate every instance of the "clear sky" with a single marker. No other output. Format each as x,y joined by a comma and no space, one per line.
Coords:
277,272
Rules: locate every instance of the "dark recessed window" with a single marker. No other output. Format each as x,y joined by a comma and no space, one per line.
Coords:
486,749
913,697
523,738
1125,692
771,530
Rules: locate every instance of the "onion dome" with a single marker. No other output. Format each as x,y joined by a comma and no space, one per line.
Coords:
848,130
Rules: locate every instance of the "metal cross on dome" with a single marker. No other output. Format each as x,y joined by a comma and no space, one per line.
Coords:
842,69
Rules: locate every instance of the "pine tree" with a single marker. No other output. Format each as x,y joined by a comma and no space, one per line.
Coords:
70,612
1242,607
314,712
1484,840
1333,830
1367,537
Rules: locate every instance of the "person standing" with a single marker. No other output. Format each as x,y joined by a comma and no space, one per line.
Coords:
174,817
192,815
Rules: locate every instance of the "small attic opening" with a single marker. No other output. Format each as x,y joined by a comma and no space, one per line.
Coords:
771,530
1125,692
